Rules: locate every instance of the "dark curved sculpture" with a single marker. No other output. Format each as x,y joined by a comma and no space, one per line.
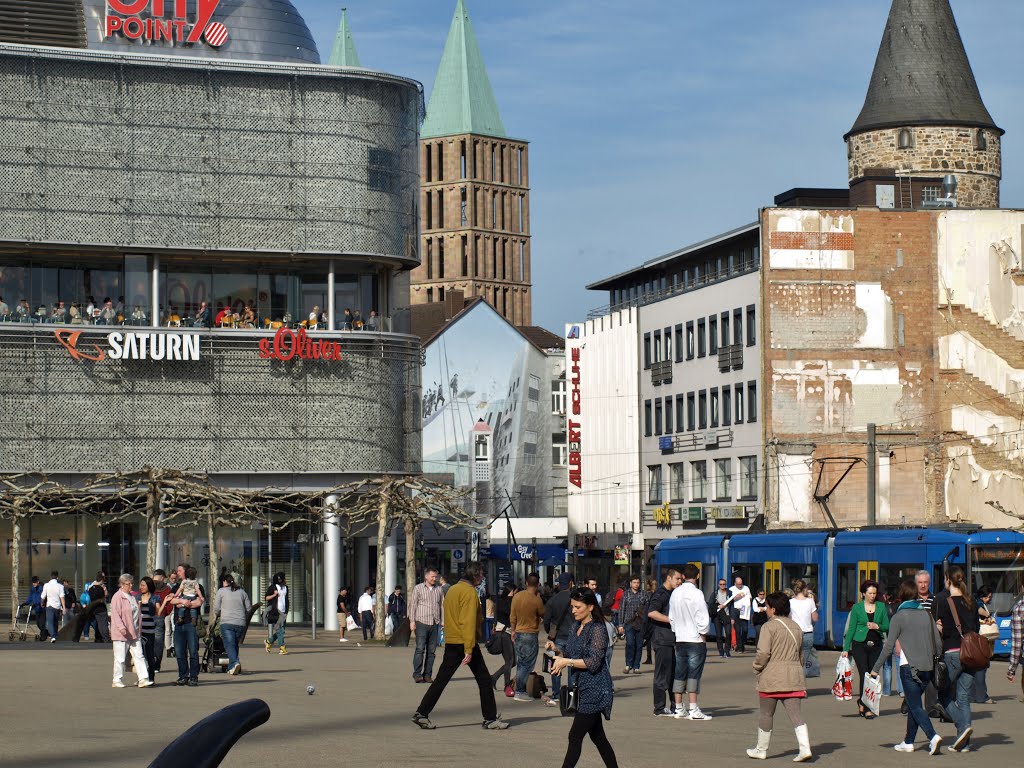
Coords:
206,743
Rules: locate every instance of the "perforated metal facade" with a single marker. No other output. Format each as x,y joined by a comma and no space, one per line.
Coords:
160,152
230,412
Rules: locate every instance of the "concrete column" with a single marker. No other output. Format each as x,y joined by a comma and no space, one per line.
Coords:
154,309
161,546
330,297
363,576
332,565
391,563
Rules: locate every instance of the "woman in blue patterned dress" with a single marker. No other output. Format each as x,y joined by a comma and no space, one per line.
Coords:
585,655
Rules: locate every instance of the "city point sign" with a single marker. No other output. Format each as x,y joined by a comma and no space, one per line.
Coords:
145,20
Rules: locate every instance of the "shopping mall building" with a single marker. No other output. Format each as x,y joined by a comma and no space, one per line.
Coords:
177,194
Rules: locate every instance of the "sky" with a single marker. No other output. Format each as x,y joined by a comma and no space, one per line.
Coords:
654,124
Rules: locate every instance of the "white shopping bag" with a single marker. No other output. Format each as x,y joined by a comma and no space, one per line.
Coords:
389,626
872,693
350,624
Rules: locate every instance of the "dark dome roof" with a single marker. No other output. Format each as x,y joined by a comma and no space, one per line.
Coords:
258,30
922,75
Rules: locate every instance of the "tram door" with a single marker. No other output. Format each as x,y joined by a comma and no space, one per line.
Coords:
867,569
772,577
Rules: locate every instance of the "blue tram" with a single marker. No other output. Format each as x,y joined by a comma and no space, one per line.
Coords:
834,563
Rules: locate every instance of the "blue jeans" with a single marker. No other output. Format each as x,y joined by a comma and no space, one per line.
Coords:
526,658
52,621
634,647
914,697
957,696
186,645
230,634
275,632
426,645
690,658
556,680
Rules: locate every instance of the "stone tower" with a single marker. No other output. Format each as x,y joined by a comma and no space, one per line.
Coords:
923,117
475,196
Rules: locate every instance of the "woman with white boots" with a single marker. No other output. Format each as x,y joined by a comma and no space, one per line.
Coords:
780,677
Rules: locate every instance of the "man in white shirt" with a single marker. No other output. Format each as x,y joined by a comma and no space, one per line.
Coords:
366,617
688,614
741,612
53,602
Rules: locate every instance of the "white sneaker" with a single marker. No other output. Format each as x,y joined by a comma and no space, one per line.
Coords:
696,714
935,745
117,684
680,713
904,747
550,703
342,639
145,683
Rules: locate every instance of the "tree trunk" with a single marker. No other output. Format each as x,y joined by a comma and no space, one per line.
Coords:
411,529
383,510
212,585
15,563
152,520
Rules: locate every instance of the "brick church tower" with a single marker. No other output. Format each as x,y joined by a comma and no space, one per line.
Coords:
475,197
923,117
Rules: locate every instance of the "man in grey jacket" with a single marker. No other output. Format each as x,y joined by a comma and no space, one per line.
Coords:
233,605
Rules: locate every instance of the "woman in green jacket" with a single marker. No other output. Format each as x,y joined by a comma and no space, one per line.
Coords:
865,633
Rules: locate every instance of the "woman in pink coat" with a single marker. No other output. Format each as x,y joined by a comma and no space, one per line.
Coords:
126,633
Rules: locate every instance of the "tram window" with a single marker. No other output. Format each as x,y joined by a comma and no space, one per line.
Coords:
809,574
1002,569
708,579
890,576
752,575
847,590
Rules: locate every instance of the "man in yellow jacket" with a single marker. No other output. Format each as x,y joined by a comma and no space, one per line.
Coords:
463,630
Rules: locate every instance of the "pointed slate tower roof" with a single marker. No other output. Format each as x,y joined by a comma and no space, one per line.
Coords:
344,52
462,100
922,75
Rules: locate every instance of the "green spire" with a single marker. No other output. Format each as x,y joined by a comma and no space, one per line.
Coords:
462,100
344,53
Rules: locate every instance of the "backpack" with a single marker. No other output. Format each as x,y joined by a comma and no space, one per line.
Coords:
84,598
535,685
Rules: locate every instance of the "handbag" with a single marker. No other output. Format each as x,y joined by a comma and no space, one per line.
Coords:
568,696
975,651
940,672
989,631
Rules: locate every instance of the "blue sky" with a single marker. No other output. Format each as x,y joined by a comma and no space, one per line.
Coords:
657,123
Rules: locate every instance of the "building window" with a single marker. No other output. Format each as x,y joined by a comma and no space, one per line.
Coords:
739,404
679,343
699,480
668,344
930,193
980,140
533,395
906,139
691,411
726,406
714,407
713,334
558,396
703,399
668,415
648,419
689,340
559,450
737,326
657,346
481,450
702,338
677,482
430,259
430,295
654,484
658,411
462,207
647,351
723,479
748,478
725,329
751,325
440,257
680,413
751,402
381,170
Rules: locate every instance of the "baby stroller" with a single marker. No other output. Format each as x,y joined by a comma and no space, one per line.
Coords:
20,631
215,657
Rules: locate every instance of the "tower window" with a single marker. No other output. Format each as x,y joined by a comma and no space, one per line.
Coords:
980,140
906,139
930,193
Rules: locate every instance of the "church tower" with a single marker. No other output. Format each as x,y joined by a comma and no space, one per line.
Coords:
475,189
343,54
923,117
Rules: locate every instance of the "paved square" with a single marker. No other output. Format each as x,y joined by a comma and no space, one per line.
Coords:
59,709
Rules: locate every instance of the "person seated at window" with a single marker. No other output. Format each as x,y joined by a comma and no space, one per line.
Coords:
60,313
5,311
204,317
119,307
107,315
357,321
41,314
138,316
287,319
222,313
372,322
75,314
313,321
248,317
346,320
23,312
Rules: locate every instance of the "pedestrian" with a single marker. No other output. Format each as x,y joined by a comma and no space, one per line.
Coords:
34,602
344,609
426,617
986,624
558,624
366,615
276,600
444,585
526,616
96,612
396,608
71,601
172,585
186,635
804,611
616,607
865,634
913,629
232,604
149,605
592,586
503,638
759,614
1016,643
652,587
54,603
463,622
740,612
632,608
779,669
663,640
891,602
589,676
164,635
956,616
125,633
922,580
688,614
720,608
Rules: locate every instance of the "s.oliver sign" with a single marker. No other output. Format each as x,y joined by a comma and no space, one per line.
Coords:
148,20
